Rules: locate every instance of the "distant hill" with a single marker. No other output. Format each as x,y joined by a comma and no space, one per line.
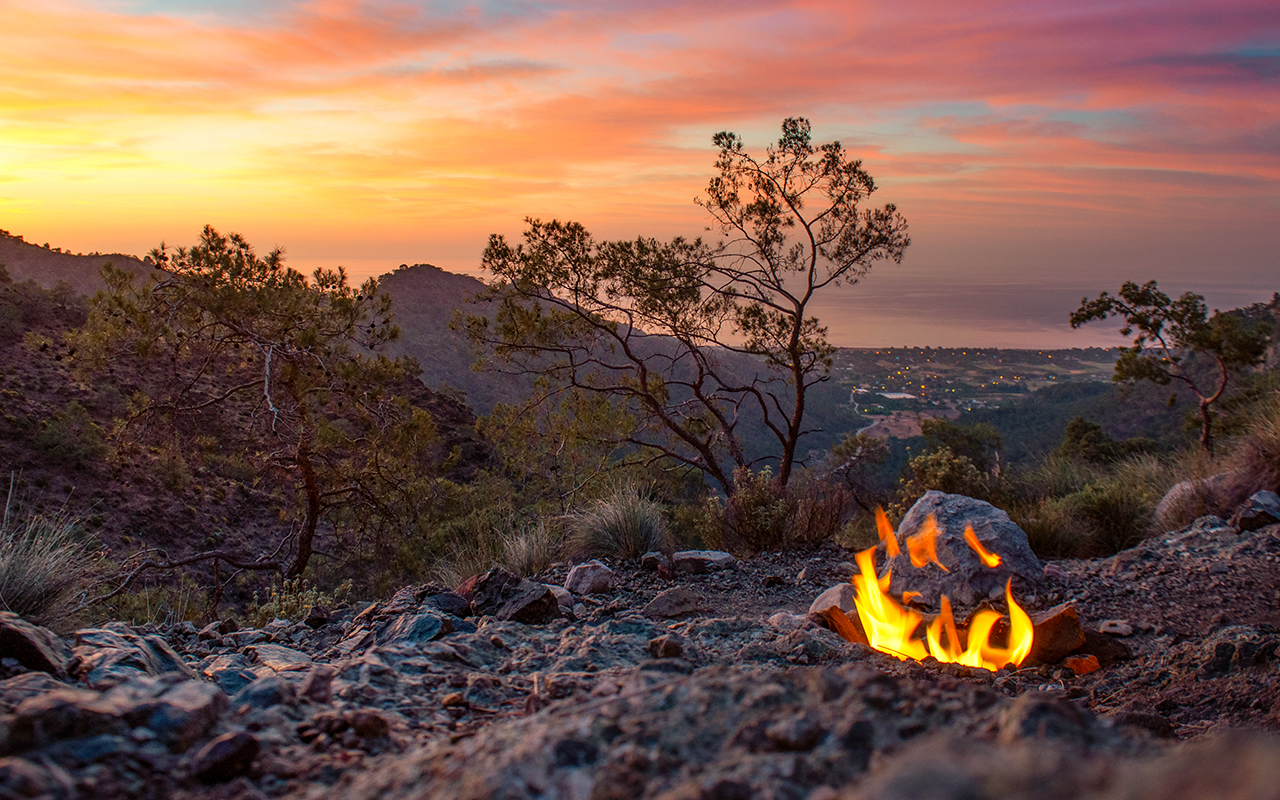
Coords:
425,298
47,266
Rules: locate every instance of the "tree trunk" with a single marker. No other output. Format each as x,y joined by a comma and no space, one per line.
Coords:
1206,422
312,491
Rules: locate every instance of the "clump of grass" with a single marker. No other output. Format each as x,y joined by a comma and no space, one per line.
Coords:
626,525
1253,463
160,604
42,562
1070,508
292,601
521,546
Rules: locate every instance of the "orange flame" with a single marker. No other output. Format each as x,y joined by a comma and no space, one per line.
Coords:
986,556
886,533
923,547
891,627
888,626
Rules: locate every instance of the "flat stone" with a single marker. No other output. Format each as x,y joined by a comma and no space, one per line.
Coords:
34,647
840,596
265,692
678,601
699,562
1057,632
278,658
592,577
225,758
1116,627
61,714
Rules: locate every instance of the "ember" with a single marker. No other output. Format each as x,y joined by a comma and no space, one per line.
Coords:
891,627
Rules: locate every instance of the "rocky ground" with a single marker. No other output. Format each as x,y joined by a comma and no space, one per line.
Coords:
669,683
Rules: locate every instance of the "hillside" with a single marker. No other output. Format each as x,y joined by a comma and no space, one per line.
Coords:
425,299
47,266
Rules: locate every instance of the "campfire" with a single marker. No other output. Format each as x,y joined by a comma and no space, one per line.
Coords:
902,631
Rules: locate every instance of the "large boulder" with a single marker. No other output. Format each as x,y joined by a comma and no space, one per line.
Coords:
966,579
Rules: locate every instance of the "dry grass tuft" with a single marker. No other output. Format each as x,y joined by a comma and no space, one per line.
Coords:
626,525
42,564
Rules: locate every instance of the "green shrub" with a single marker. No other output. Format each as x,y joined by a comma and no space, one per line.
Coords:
943,471
42,563
72,438
762,514
627,524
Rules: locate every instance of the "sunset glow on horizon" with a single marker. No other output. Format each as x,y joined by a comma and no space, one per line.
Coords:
1039,150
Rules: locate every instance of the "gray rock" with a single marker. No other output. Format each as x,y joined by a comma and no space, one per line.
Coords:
34,647
449,603
186,713
14,690
231,672
62,714
654,561
840,596
1259,511
109,657
678,601
564,599
967,579
265,692
415,629
699,562
21,778
227,757
316,687
508,597
592,577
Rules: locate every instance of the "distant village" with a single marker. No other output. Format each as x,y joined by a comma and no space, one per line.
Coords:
899,387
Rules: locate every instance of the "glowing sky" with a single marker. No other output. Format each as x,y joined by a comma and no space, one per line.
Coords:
1040,150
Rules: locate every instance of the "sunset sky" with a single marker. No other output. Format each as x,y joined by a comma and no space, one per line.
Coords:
1040,151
